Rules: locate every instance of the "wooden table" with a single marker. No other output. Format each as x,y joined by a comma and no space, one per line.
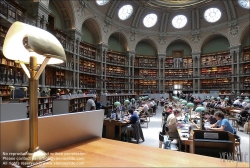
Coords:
110,128
186,141
237,111
101,152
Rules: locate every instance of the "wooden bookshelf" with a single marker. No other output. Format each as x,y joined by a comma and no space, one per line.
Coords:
3,32
87,81
246,83
187,85
216,59
87,50
145,61
187,62
178,73
216,84
61,36
148,85
50,76
117,84
246,54
63,106
169,63
115,70
112,98
4,91
60,77
116,58
246,69
87,66
44,105
148,73
218,71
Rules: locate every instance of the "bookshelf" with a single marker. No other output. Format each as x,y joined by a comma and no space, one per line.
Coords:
60,77
169,63
63,106
112,98
116,58
145,61
115,70
246,83
87,50
187,62
87,81
216,59
187,85
246,54
178,73
87,66
44,105
148,85
148,73
218,71
115,84
216,84
4,91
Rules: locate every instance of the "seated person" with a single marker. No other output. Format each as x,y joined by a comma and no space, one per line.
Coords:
132,120
222,123
170,109
210,118
242,117
172,124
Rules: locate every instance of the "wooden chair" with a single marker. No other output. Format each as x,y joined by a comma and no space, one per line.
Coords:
144,118
237,149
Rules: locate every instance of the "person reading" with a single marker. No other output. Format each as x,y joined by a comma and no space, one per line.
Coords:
222,123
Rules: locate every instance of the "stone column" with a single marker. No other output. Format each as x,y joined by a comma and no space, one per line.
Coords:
133,72
130,55
238,71
199,73
194,56
232,65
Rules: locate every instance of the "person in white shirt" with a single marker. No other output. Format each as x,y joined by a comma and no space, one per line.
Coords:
172,124
238,102
90,105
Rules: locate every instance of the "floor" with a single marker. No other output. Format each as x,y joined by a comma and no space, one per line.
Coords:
151,135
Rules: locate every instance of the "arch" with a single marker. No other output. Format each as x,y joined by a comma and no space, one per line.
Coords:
244,35
65,10
187,51
179,39
150,41
209,37
94,29
121,37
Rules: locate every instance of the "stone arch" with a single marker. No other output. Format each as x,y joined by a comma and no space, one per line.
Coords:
148,40
245,33
183,40
66,11
94,28
122,38
208,37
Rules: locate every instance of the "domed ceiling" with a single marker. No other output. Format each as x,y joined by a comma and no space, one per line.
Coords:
173,4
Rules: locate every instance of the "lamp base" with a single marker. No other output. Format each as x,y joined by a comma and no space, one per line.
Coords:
33,159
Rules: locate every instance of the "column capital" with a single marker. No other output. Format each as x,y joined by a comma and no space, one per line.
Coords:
196,54
162,55
103,47
130,54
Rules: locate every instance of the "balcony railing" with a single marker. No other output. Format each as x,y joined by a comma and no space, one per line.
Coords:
14,14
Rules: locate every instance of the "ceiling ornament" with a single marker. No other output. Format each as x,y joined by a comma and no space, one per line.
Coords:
162,40
132,36
106,28
173,4
80,8
234,29
196,38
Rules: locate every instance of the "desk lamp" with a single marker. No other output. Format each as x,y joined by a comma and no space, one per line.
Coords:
190,106
12,88
25,91
27,44
201,110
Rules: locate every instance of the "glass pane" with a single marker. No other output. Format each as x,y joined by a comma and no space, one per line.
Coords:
102,2
125,12
179,21
244,3
212,14
150,20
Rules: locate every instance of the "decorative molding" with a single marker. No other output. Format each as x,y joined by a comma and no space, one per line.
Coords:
233,28
132,36
196,38
106,28
162,39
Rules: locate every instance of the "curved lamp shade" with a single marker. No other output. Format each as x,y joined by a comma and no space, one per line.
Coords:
247,100
226,98
117,104
238,97
212,97
184,102
126,101
133,99
23,41
200,109
190,105
180,100
218,98
246,97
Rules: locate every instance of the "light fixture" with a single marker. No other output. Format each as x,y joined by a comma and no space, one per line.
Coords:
12,88
27,44
25,91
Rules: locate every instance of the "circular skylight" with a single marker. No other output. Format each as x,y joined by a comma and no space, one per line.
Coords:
102,2
244,3
125,12
212,14
179,21
150,20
